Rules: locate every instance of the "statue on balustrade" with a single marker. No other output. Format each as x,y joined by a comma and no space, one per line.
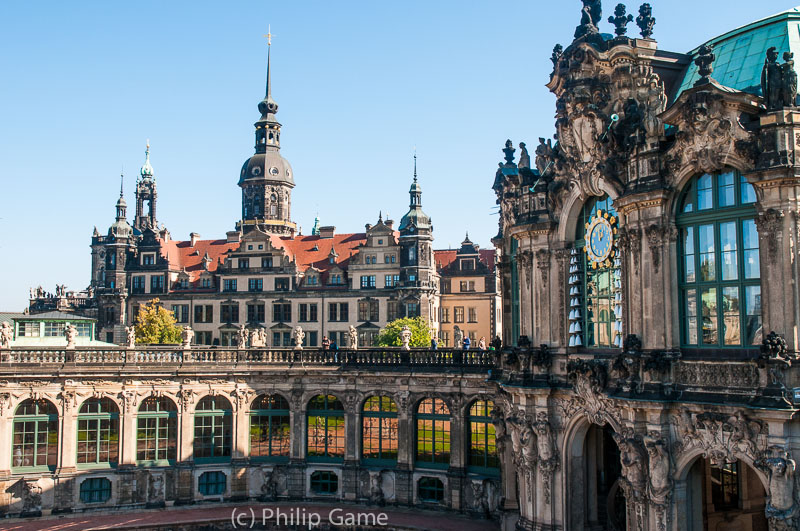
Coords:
187,335
353,337
71,333
299,337
241,337
779,82
6,335
130,332
405,337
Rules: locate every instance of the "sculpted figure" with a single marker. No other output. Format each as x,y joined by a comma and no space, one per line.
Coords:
269,488
31,497
781,504
789,77
6,335
528,441
458,337
353,337
375,490
72,334
405,337
771,80
544,438
187,335
130,333
591,13
241,337
660,479
299,336
500,432
632,459
155,488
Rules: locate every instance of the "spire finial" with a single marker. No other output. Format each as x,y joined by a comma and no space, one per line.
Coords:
269,48
415,163
380,216
121,180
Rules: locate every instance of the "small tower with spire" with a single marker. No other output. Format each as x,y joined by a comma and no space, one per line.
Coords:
146,193
266,178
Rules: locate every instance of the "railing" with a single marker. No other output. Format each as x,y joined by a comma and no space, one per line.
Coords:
415,359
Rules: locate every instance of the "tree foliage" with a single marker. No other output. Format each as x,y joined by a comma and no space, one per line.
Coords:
421,333
156,325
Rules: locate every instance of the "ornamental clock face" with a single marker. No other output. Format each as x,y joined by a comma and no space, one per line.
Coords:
600,240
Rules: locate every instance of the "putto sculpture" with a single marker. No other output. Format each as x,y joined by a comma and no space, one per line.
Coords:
6,335
130,333
591,13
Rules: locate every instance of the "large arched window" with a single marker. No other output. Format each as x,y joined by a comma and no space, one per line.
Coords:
482,442
157,432
270,428
595,294
720,280
98,433
433,434
325,429
379,441
213,431
35,441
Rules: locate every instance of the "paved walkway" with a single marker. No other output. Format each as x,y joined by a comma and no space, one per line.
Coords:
241,516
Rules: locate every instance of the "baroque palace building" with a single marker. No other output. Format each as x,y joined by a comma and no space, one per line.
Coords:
646,379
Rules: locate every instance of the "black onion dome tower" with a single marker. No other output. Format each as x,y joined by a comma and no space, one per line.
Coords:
266,178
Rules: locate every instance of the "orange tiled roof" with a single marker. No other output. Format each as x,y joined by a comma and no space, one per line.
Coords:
314,251
182,255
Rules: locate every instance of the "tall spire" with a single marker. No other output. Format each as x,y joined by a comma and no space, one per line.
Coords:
269,48
415,164
267,107
121,204
147,170
121,180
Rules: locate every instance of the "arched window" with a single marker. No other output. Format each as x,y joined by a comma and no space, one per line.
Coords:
35,441
595,290
433,434
157,432
98,432
270,428
325,429
212,429
482,443
379,441
720,280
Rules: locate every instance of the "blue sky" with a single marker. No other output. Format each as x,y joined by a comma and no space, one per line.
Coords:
359,84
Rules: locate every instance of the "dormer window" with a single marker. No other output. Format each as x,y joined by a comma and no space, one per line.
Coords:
312,280
467,264
148,259
205,283
183,283
244,263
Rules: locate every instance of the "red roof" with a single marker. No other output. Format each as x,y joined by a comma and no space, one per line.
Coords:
445,257
181,254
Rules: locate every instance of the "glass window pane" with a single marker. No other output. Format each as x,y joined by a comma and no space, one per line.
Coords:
727,190
731,319
708,298
747,191
752,266
690,310
727,243
752,322
705,192
688,250
707,258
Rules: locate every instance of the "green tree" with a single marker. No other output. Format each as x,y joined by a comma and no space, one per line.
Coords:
421,333
156,325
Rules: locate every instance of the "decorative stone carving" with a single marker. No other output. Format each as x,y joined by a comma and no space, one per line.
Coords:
258,337
657,235
646,21
376,496
130,335
629,242
405,337
67,398
778,82
31,498
620,20
71,334
5,399
548,455
241,337
542,357
591,14
524,157
557,51
723,438
776,357
6,335
731,375
479,499
769,224
543,263
660,484
353,336
782,507
187,335
705,64
299,337
589,379
155,489
274,484
185,398
632,458
242,396
129,398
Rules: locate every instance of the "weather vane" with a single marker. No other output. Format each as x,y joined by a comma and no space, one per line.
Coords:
269,35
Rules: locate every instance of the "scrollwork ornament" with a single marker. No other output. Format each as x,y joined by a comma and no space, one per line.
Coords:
769,225
185,398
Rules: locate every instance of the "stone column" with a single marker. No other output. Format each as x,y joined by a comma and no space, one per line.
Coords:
241,431
127,431
350,468
456,472
405,453
6,429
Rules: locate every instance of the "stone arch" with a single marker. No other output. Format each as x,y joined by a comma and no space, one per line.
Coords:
573,205
418,400
468,401
687,173
370,394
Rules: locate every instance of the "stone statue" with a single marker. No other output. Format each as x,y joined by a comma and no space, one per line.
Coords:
632,459
258,338
524,157
155,488
187,335
241,337
705,64
660,479
130,333
646,21
353,337
591,13
789,77
299,336
558,51
527,439
31,498
772,80
781,503
405,337
458,337
500,431
620,20
544,438
71,333
376,496
480,498
6,335
269,488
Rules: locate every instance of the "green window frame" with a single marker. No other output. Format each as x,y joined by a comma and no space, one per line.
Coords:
597,289
157,432
324,482
430,490
98,434
325,431
720,276
95,490
35,439
270,428
433,434
379,425
212,483
482,456
213,430
515,296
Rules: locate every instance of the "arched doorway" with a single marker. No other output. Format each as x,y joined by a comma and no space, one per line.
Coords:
723,497
594,498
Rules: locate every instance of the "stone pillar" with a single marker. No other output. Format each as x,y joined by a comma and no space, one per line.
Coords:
127,432
456,472
241,432
6,428
185,435
350,469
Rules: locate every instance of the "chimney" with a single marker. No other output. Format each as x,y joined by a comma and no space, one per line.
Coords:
234,236
389,223
193,237
326,232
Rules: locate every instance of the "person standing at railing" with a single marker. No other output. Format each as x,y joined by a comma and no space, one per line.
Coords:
326,343
482,343
467,342
434,343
